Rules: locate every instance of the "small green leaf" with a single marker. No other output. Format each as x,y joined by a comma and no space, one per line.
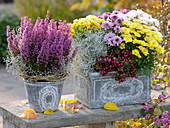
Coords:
157,111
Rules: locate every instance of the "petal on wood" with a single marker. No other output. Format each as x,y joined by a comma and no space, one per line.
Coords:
111,106
29,114
49,112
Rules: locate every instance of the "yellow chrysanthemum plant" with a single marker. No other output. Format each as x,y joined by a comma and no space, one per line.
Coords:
132,31
91,22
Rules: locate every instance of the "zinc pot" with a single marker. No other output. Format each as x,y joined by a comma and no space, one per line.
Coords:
43,95
95,90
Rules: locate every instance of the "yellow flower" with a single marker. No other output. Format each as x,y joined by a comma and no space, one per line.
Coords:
137,34
146,38
153,43
127,38
82,22
76,21
72,32
136,53
137,21
102,20
125,30
133,25
141,42
146,27
88,27
149,33
126,23
154,33
158,38
150,46
143,50
74,25
142,32
160,49
139,27
122,46
135,41
132,30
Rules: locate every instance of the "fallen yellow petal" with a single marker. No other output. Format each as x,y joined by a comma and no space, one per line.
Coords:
29,114
111,106
61,102
66,107
49,112
69,101
74,110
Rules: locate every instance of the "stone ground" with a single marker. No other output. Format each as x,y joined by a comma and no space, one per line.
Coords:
12,88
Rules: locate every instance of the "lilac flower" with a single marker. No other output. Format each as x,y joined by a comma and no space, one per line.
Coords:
108,36
117,29
115,12
124,11
113,16
106,15
119,20
118,40
114,41
107,25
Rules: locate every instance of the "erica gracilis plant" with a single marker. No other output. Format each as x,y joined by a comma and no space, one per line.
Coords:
40,49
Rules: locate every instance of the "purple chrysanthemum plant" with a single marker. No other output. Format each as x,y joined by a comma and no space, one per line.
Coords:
42,48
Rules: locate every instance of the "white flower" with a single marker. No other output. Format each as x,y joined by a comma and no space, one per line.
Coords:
156,22
144,20
132,14
160,34
121,15
154,28
150,21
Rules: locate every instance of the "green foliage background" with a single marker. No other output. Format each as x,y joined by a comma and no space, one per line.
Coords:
60,9
6,18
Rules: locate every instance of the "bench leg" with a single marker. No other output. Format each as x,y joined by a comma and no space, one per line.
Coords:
100,125
7,124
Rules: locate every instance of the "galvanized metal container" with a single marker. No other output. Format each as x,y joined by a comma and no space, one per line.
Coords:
43,95
96,90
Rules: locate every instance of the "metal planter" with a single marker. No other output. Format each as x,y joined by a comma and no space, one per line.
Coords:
96,90
43,95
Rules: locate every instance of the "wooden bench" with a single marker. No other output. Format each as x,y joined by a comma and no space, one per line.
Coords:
85,118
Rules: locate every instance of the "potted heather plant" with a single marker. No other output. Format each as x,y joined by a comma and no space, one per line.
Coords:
117,53
41,53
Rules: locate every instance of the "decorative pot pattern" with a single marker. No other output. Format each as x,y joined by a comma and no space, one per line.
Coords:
95,91
43,95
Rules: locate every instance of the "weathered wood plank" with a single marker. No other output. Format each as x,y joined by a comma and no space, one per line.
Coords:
61,118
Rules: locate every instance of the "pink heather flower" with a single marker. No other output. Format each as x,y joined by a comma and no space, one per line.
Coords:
157,88
146,107
45,44
147,117
162,97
